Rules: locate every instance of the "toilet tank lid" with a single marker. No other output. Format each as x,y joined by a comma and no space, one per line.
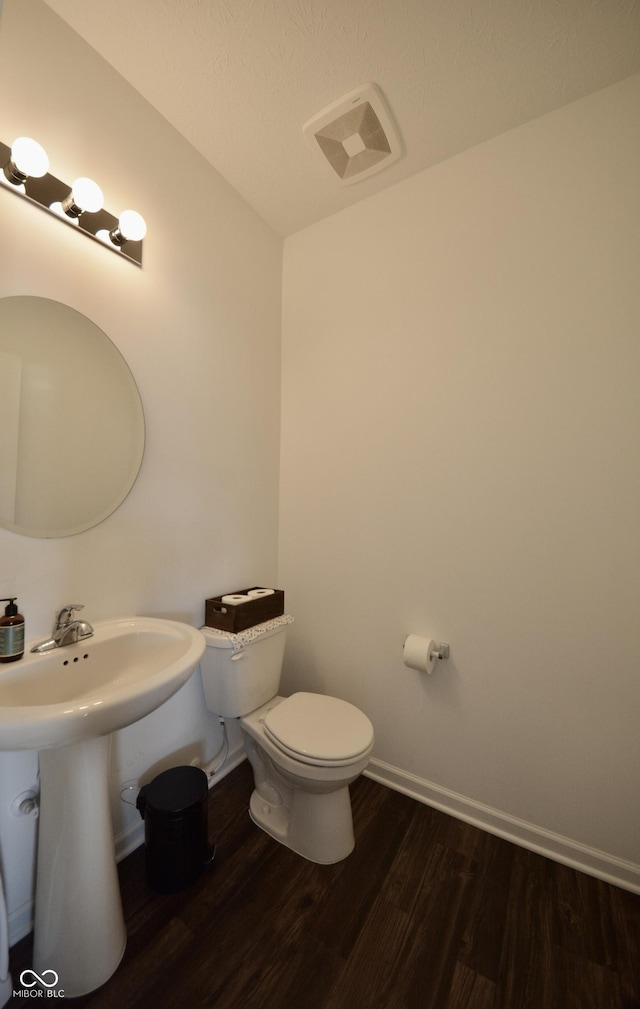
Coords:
225,639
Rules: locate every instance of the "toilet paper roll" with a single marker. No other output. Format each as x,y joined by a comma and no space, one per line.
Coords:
258,593
235,598
417,653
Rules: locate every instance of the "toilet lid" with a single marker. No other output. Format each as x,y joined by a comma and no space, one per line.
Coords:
315,727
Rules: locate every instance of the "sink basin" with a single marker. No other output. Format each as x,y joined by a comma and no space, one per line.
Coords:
66,703
125,671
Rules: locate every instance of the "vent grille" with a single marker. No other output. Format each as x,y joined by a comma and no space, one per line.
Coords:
354,136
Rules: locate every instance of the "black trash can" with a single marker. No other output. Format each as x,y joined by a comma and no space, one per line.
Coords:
174,809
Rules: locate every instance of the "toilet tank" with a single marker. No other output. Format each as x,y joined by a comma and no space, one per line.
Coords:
242,671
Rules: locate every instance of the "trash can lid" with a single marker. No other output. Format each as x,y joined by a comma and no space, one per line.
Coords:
176,789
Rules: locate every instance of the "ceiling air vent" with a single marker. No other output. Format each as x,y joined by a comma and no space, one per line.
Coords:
354,136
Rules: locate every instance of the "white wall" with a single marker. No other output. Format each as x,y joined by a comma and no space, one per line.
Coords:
199,326
460,459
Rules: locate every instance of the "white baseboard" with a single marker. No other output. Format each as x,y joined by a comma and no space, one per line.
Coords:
236,756
20,922
527,835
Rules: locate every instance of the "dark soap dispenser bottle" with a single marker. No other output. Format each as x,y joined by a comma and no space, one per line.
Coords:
11,632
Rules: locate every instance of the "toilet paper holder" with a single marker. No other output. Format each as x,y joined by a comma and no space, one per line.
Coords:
440,651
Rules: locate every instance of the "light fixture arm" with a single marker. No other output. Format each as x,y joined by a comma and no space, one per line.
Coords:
117,237
70,208
13,174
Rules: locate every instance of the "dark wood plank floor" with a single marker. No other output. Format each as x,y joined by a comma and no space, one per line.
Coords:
427,913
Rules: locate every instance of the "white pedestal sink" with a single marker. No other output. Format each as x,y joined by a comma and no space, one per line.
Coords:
65,703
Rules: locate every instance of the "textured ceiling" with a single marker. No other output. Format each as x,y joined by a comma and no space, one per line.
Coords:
238,78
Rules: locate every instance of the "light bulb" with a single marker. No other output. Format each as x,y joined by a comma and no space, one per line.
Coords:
132,225
131,228
28,159
85,196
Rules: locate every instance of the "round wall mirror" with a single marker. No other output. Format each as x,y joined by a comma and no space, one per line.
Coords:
71,420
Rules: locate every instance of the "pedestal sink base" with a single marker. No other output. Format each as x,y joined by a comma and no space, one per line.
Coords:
79,926
65,703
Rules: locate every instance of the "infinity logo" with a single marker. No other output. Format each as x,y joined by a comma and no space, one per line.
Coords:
38,977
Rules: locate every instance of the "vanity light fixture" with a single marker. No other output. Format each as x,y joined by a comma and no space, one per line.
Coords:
25,170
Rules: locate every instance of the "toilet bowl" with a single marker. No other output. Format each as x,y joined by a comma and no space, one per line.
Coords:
301,796
305,750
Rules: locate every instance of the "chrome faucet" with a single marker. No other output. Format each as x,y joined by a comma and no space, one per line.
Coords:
66,630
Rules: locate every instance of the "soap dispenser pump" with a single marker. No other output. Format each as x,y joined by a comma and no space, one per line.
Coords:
11,632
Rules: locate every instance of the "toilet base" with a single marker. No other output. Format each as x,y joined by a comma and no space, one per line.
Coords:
317,826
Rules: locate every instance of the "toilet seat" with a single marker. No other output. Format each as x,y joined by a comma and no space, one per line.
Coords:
320,730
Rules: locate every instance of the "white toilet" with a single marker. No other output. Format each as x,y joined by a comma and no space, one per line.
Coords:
305,750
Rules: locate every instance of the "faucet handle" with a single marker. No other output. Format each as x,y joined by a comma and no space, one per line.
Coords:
65,616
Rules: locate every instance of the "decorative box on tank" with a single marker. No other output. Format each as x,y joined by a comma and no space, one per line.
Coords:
236,611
